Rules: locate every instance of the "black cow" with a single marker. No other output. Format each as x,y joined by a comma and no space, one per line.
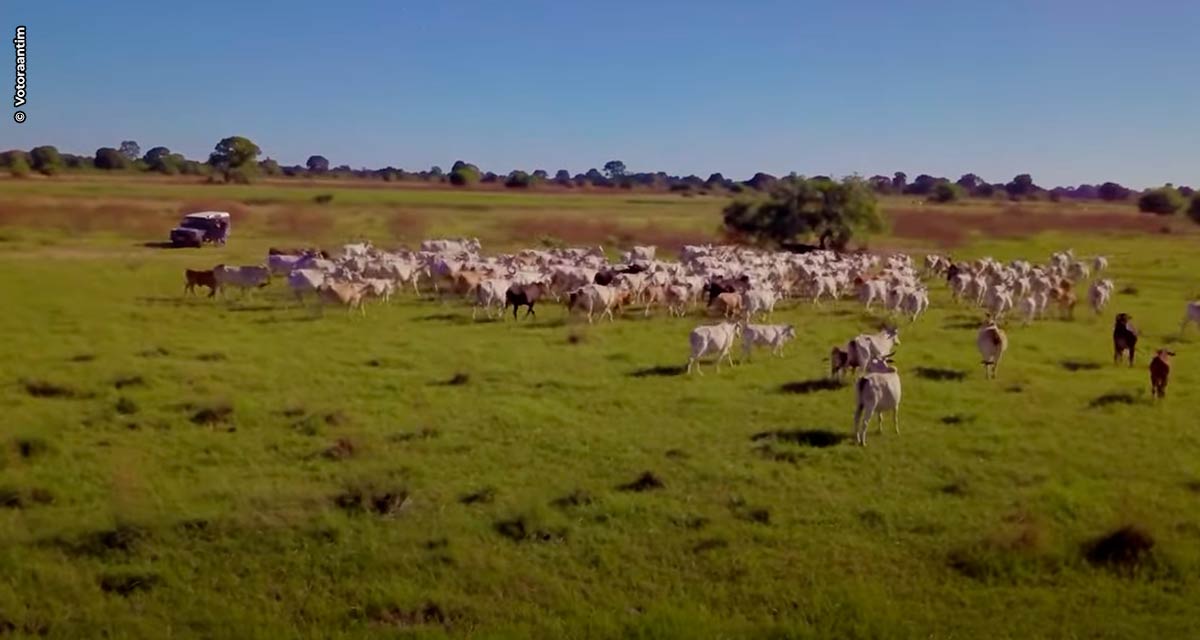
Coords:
526,295
1125,338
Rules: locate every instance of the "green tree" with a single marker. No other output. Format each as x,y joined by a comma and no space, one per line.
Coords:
235,159
518,180
130,150
464,174
18,165
614,169
1021,185
110,159
798,208
46,159
270,167
1163,201
1194,208
1111,191
154,155
317,164
947,192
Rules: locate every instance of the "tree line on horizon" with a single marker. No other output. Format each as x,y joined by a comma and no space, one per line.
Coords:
236,159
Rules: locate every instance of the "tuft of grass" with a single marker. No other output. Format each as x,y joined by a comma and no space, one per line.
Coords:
126,406
212,415
126,583
46,389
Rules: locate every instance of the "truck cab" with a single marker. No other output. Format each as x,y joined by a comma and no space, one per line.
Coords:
195,229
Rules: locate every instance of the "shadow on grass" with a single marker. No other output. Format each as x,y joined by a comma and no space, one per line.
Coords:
1079,365
1109,399
805,387
161,245
940,375
819,438
455,318
661,371
961,324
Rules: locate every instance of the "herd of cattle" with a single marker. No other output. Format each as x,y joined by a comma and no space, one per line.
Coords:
737,284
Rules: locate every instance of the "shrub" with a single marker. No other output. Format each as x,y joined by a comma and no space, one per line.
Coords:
1163,201
518,180
946,192
18,166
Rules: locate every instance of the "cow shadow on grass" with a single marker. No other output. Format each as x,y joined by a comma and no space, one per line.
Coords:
174,301
1079,365
1110,399
448,318
815,385
240,308
940,375
819,438
661,371
160,245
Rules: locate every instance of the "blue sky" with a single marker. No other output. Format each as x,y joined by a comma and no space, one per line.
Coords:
1069,90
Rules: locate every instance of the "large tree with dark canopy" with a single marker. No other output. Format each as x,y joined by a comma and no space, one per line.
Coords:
799,208
235,158
317,164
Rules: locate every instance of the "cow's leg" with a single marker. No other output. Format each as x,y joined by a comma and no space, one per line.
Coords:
745,350
528,313
728,356
896,419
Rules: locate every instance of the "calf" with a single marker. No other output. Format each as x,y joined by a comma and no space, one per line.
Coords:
717,338
877,391
992,342
840,363
525,295
773,335
491,293
349,294
1125,338
728,304
203,278
1160,373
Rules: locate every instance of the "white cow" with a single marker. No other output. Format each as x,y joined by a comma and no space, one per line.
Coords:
759,301
282,264
1099,264
1099,294
1192,314
594,298
491,296
302,281
244,278
715,338
773,335
992,342
915,302
866,346
877,391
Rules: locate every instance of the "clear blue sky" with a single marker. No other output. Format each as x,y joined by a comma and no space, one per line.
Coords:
1069,90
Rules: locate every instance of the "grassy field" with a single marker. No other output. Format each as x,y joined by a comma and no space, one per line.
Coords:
194,468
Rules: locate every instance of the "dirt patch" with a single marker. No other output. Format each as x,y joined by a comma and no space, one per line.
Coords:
126,406
1108,399
1125,550
156,352
815,385
659,372
370,499
129,381
577,498
710,544
31,447
407,225
950,228
940,375
46,389
819,438
341,449
1077,365
213,415
519,529
393,616
303,223
648,481
485,495
126,583
425,433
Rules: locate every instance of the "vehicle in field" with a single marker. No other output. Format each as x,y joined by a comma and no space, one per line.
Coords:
203,226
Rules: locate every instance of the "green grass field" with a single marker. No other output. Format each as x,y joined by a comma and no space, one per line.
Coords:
180,467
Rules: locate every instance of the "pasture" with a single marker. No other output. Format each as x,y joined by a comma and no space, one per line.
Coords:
247,468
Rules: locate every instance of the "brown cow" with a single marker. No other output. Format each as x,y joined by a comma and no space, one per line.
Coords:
202,278
729,304
1160,373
